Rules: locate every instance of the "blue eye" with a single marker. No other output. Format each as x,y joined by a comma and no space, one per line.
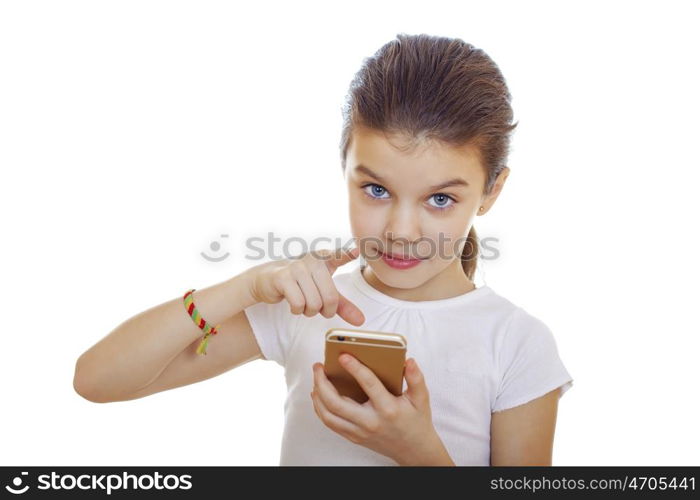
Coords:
444,201
376,191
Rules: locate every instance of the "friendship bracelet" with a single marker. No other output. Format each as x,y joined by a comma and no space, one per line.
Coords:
199,321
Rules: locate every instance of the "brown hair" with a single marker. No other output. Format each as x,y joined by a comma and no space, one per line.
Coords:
431,88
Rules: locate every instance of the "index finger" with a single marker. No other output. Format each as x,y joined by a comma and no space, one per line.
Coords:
349,311
341,257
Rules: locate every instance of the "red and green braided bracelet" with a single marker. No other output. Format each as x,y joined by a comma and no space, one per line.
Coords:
199,321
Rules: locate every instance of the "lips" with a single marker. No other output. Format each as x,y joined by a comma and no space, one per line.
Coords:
396,257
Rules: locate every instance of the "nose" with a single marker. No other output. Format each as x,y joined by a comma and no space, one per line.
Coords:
403,227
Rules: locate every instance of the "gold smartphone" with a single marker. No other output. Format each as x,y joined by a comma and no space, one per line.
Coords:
383,353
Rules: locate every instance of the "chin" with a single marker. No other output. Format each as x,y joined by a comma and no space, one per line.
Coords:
396,278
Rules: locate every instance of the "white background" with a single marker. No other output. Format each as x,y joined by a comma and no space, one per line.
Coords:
134,133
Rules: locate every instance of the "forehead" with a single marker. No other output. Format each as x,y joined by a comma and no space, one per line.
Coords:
390,155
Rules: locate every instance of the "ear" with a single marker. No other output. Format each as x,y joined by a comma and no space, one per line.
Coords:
490,199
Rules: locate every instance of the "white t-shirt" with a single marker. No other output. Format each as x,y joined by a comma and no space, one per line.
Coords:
479,354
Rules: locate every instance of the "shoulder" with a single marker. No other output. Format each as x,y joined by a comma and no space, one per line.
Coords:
518,328
519,321
524,323
526,335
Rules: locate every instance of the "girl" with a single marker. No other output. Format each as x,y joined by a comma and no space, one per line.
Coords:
423,151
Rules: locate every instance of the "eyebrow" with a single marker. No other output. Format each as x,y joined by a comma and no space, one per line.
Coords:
457,181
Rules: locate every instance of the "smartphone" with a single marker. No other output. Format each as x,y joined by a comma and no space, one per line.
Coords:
383,353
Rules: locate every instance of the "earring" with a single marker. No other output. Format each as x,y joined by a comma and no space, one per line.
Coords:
481,208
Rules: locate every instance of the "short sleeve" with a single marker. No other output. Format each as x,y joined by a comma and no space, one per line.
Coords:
529,363
272,325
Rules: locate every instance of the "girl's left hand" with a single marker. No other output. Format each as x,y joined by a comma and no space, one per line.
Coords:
399,427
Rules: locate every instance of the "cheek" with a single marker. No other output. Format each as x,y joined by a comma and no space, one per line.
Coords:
365,220
447,237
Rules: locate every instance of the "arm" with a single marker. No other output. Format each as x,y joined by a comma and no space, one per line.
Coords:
524,435
155,350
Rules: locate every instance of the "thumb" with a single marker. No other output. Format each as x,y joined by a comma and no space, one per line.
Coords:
417,391
349,311
341,259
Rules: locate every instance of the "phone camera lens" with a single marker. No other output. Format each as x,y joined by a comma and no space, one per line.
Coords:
341,338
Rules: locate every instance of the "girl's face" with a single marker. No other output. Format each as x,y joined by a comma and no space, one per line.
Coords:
400,203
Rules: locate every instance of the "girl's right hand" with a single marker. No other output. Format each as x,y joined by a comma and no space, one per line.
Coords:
307,285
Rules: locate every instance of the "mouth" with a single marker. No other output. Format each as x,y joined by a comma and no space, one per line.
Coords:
397,257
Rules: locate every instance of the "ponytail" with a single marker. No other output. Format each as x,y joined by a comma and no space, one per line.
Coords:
470,254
